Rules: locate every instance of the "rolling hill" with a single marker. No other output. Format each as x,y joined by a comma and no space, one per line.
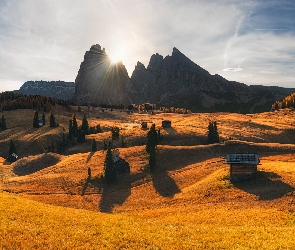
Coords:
187,203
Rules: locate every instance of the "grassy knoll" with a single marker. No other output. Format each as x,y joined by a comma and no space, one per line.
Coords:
28,224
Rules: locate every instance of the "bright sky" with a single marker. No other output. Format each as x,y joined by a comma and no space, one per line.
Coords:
247,41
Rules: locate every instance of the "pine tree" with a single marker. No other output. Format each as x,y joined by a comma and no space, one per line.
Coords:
98,128
213,136
115,133
75,125
71,133
51,120
11,149
85,126
105,146
152,138
93,146
43,118
109,167
36,120
80,135
3,123
159,135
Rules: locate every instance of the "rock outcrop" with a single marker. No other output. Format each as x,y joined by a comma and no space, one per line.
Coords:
177,81
99,80
55,89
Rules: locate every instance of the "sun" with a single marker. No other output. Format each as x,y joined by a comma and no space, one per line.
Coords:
116,55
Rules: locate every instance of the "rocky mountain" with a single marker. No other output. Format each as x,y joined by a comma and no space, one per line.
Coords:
55,89
99,80
177,81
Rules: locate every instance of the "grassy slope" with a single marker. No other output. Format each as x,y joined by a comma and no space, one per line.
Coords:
188,203
31,225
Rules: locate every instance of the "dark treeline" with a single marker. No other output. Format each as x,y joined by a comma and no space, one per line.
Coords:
12,101
104,105
287,102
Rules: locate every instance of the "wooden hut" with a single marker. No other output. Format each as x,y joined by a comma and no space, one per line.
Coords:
166,124
144,125
242,166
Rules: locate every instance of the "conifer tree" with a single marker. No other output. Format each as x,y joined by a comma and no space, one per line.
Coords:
152,138
3,123
75,125
109,167
213,136
43,118
51,120
36,120
85,126
115,133
98,128
105,146
11,149
71,133
80,135
93,146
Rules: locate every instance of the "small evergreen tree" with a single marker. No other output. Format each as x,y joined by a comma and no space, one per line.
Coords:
80,135
213,136
71,133
85,126
152,138
105,146
98,128
159,135
43,118
115,133
109,167
75,125
3,123
36,120
93,146
11,149
51,120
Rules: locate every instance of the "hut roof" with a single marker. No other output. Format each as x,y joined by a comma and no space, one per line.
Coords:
250,159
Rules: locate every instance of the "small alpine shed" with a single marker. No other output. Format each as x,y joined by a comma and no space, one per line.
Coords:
242,166
166,124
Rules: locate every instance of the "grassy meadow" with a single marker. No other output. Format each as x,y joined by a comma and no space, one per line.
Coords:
187,203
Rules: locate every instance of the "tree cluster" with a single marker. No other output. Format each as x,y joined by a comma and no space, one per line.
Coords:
12,101
287,102
175,110
212,136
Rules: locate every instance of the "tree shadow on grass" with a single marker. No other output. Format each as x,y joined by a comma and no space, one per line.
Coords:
115,193
265,185
89,157
112,193
164,184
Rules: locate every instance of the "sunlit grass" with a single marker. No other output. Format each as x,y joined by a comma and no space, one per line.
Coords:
31,225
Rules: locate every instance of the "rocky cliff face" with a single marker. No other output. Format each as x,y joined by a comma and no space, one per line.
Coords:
55,89
99,80
177,81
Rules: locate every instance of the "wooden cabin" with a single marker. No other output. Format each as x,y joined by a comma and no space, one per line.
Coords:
242,166
144,125
166,124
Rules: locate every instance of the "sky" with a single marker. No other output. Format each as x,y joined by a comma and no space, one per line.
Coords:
246,41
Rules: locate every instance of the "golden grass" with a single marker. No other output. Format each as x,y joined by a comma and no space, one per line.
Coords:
30,225
187,204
